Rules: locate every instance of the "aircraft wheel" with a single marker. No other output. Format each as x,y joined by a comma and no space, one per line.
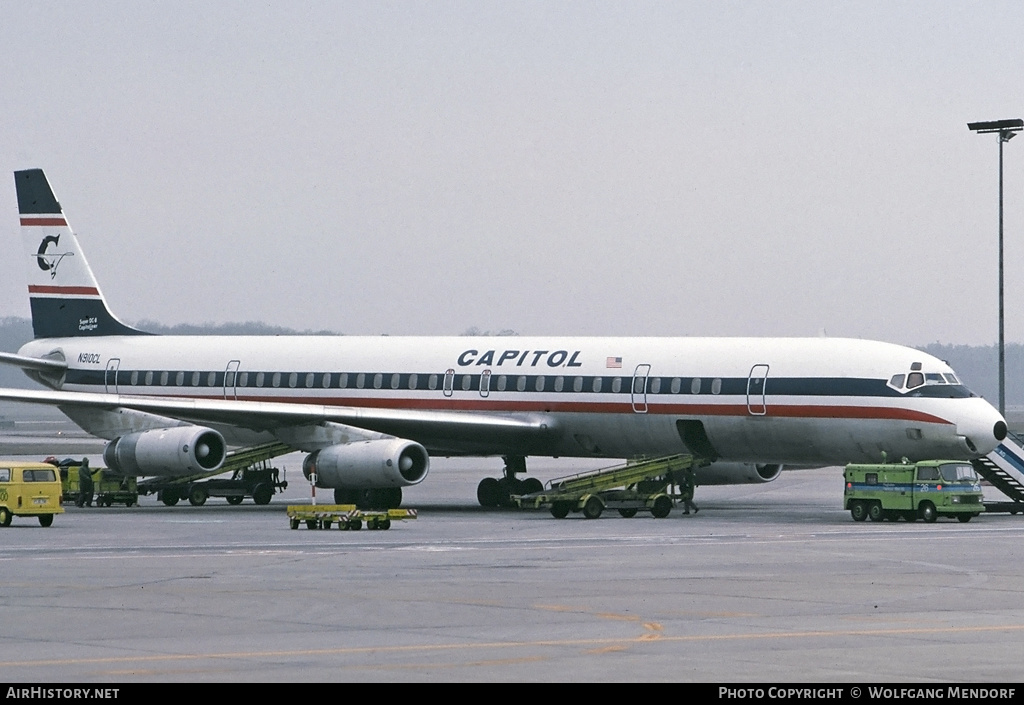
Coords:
236,500
197,496
5,516
487,492
593,508
627,513
858,511
928,512
963,518
389,497
662,506
507,488
875,512
560,510
532,485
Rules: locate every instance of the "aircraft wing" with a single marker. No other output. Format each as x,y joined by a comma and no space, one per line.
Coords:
438,430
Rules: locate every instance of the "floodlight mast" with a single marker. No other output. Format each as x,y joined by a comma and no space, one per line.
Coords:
1005,129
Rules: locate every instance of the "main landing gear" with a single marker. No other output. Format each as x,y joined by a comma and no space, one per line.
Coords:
497,492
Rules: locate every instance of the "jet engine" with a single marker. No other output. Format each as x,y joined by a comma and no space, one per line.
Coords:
171,452
392,462
737,474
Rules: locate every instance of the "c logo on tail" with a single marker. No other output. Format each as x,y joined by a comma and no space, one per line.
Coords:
48,262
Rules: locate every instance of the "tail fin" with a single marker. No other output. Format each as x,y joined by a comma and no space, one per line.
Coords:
65,298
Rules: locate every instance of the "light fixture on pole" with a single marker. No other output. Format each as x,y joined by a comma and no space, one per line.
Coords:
1005,129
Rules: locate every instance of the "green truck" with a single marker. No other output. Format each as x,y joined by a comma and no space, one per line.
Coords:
924,490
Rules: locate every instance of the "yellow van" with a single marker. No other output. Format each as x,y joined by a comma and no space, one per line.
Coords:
29,489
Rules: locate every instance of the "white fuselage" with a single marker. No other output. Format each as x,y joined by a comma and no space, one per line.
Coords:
762,400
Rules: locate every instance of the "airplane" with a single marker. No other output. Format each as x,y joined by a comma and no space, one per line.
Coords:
371,411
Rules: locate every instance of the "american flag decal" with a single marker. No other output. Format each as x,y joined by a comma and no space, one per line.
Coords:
613,363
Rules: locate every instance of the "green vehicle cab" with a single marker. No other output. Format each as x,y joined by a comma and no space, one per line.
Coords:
29,489
924,490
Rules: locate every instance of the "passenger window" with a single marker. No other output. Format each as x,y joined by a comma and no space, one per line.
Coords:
211,379
577,384
467,380
412,380
243,379
432,382
521,384
559,383
327,380
360,380
395,379
195,379
309,379
716,386
677,384
343,380
378,380
616,385
276,379
5,474
597,384
539,385
293,379
695,386
502,381
163,378
135,378
656,385
259,379
149,378
179,379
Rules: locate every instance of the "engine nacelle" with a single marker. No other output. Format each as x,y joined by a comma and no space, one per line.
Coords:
170,452
737,474
392,462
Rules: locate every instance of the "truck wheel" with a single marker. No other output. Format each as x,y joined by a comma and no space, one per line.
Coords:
560,510
928,512
197,496
5,516
169,497
262,493
235,500
47,519
662,507
858,511
627,513
964,518
875,512
294,523
593,507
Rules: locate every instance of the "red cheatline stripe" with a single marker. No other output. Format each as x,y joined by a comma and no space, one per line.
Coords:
43,221
78,290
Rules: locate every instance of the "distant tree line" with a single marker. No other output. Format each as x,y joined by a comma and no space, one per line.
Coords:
977,366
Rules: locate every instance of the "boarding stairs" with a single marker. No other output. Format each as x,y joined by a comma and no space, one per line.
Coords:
1003,468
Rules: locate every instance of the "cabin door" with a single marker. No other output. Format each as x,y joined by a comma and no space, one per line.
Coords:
638,392
231,380
110,376
756,405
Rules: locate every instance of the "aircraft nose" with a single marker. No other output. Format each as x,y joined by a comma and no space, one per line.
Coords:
982,428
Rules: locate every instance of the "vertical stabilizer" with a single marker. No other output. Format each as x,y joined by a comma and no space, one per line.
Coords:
65,298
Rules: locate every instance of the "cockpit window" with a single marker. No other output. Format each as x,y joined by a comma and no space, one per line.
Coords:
914,379
934,378
897,381
951,378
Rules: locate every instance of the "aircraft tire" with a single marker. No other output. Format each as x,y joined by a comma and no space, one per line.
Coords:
531,485
487,492
46,520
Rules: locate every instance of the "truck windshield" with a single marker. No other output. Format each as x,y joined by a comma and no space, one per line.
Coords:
958,473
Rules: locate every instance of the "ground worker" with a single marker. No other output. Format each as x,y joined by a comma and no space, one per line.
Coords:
85,485
687,487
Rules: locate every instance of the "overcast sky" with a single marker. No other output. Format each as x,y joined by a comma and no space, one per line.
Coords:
589,168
